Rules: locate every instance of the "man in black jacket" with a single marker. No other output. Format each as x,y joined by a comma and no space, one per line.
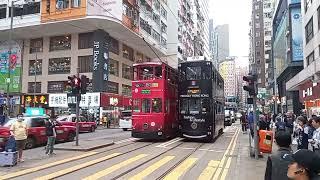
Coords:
51,134
276,166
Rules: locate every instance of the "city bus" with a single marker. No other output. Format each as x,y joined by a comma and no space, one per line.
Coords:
201,100
154,105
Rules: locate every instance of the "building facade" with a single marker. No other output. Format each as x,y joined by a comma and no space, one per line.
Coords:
307,82
228,73
221,46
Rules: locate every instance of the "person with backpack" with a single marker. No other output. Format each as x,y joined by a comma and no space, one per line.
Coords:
51,134
280,124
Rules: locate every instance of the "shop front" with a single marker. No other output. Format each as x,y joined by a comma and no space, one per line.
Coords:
14,104
112,105
310,96
36,101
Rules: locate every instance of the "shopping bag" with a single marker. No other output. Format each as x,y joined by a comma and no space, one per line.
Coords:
11,145
294,141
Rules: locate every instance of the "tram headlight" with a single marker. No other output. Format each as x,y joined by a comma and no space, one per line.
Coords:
159,133
153,124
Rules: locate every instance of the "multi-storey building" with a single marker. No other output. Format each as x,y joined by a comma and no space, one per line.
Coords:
240,93
102,38
211,42
257,60
287,52
307,82
227,71
221,43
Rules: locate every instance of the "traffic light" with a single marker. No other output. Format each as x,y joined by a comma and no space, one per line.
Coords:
84,84
250,87
74,84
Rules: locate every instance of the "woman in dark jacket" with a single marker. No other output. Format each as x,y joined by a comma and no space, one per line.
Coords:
302,132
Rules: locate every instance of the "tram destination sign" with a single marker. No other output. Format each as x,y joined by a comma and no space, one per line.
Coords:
194,95
146,91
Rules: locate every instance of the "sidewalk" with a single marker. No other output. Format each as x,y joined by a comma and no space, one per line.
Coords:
84,145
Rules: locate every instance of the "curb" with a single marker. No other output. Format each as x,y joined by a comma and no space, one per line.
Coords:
74,148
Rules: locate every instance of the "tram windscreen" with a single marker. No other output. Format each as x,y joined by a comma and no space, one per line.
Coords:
198,73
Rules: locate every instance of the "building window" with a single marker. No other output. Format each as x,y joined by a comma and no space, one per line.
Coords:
268,43
163,42
155,35
35,67
75,3
145,26
126,90
127,52
3,11
257,25
60,43
319,18
26,9
163,28
36,45
156,18
114,67
157,5
267,33
114,45
85,63
163,12
85,40
256,7
257,16
258,43
257,34
139,57
127,72
310,58
56,86
307,5
31,87
62,4
113,87
59,65
309,30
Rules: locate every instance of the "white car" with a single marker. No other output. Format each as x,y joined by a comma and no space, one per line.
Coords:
125,121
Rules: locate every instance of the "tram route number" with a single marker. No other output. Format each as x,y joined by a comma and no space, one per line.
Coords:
193,119
194,95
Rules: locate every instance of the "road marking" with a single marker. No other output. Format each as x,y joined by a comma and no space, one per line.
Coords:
209,171
41,167
170,142
181,169
113,168
77,167
125,140
152,168
221,164
226,168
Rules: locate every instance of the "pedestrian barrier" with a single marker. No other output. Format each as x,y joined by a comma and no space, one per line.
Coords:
265,142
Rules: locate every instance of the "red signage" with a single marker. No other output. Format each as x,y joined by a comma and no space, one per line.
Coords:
115,100
309,91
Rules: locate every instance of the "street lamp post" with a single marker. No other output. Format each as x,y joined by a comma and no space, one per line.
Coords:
35,80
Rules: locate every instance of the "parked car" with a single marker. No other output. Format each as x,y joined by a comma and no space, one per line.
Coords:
233,117
227,118
37,132
125,121
84,124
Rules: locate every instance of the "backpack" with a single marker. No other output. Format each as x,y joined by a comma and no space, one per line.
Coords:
281,126
11,145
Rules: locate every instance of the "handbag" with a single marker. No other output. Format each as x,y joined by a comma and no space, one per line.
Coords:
11,145
294,141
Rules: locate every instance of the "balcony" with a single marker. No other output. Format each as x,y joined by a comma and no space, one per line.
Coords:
131,24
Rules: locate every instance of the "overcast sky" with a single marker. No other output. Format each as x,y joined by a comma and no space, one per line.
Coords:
237,14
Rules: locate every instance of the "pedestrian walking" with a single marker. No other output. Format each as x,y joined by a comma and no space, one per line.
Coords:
243,122
280,124
250,121
315,141
105,121
51,134
276,167
263,124
20,133
303,165
302,133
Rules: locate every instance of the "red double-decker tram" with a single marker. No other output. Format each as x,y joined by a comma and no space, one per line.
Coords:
154,106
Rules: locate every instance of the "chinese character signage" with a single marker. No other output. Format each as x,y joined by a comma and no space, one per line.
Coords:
35,99
58,100
63,101
100,61
15,66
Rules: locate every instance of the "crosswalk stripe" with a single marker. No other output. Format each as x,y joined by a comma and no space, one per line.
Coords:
152,168
209,171
77,167
41,167
113,168
181,169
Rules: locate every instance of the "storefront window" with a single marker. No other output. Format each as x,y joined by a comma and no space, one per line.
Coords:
157,105
126,90
113,87
127,72
36,45
127,52
35,67
85,63
146,105
85,40
31,87
59,65
114,67
136,105
60,43
56,86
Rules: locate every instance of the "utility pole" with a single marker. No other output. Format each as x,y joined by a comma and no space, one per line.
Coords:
9,58
35,80
78,97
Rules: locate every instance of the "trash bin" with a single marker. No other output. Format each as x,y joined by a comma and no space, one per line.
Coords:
266,140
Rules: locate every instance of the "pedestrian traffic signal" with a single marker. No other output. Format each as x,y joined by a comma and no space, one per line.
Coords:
75,84
84,84
251,86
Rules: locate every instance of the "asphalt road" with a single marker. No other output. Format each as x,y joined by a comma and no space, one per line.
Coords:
134,159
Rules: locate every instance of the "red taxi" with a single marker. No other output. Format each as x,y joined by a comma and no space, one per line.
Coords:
37,132
84,124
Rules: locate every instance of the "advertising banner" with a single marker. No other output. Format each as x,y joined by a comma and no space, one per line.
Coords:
15,74
100,75
63,101
297,41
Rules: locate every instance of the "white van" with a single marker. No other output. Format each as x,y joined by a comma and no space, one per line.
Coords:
125,121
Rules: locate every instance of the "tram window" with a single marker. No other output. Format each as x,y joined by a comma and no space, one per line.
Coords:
136,105
205,103
146,106
146,73
206,72
157,105
194,106
193,73
184,106
158,72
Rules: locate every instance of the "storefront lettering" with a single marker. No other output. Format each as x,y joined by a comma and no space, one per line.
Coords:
37,99
307,92
96,55
114,101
